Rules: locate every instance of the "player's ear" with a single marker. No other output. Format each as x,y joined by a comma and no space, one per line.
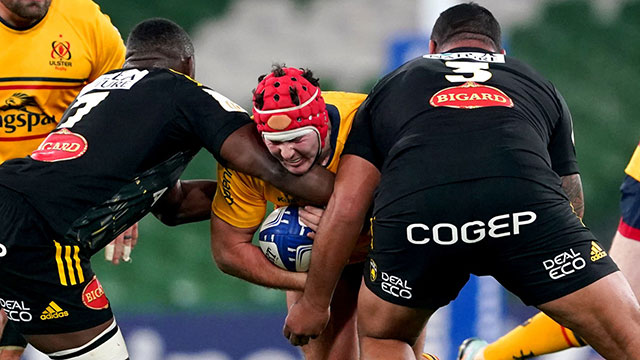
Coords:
191,65
432,47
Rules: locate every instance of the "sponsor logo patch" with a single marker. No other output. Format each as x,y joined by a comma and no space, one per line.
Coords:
21,115
16,310
373,271
226,186
564,264
597,252
93,295
395,286
53,311
470,95
60,145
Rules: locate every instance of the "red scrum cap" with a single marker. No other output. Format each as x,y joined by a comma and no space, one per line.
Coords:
286,106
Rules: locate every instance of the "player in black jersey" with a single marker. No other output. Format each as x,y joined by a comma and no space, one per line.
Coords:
116,155
467,150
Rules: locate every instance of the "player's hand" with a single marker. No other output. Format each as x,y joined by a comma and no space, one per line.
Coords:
304,322
3,321
310,216
120,248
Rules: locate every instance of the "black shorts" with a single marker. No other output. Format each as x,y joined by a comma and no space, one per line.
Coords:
524,234
48,286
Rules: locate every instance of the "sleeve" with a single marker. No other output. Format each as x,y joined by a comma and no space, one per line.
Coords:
238,200
109,49
361,141
210,116
633,168
561,146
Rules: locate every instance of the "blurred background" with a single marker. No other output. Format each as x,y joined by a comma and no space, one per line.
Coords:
172,302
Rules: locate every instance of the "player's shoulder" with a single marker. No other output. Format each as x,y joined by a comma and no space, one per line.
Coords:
343,99
80,11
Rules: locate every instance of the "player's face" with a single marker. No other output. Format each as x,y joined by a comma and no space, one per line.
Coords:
27,10
297,155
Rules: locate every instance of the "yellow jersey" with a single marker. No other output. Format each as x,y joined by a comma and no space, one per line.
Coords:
241,200
43,67
633,168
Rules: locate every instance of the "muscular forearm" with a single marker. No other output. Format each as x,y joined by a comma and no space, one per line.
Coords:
333,245
188,201
339,227
572,186
247,262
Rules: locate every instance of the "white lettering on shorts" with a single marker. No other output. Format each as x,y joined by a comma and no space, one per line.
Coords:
471,232
3,250
16,310
564,264
395,286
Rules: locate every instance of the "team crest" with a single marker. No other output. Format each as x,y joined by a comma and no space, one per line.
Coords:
59,146
60,54
93,295
470,95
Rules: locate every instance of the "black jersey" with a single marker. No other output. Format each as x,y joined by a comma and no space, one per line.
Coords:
124,141
463,115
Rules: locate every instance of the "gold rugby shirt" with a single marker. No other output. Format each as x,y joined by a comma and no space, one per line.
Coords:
42,69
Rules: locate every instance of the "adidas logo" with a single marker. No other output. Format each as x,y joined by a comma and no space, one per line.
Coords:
53,311
597,252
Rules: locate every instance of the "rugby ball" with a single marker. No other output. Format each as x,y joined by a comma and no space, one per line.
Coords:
284,241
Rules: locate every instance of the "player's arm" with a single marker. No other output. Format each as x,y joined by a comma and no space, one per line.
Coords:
334,242
235,255
244,151
563,157
188,201
572,186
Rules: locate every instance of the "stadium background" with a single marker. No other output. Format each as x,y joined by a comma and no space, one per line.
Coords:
173,303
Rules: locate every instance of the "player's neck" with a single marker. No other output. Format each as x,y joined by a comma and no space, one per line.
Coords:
15,21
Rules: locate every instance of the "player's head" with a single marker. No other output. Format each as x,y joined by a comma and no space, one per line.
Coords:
466,22
23,13
160,42
291,117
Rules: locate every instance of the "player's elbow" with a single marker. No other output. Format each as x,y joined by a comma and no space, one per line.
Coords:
226,262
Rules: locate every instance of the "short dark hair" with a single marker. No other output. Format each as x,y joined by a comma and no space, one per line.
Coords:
161,36
467,21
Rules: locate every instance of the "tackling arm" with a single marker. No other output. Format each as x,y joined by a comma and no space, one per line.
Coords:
572,186
235,255
188,201
336,238
244,151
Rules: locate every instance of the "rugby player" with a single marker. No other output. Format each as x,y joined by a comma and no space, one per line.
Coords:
116,154
50,51
465,148
301,126
541,335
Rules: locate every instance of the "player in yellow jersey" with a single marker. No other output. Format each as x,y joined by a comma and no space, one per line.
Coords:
51,49
301,126
541,335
